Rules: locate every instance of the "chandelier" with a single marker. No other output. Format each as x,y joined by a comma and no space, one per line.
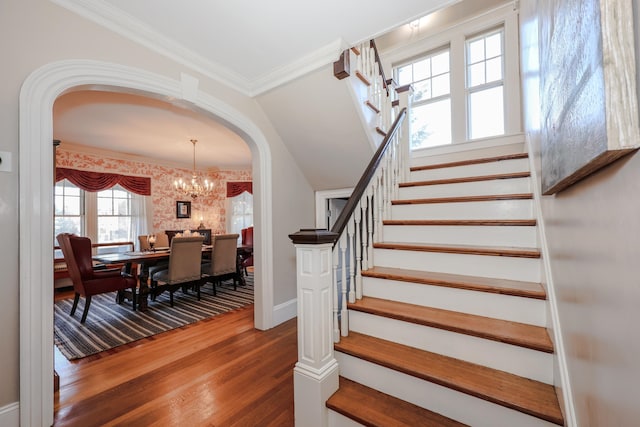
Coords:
196,186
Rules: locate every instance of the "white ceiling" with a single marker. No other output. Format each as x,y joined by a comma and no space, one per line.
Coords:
253,46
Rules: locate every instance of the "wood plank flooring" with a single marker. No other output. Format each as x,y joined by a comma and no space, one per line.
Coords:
218,372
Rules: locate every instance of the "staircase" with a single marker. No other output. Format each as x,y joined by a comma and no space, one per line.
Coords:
451,329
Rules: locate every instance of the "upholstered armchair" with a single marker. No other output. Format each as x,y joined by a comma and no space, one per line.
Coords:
224,261
88,281
184,267
246,256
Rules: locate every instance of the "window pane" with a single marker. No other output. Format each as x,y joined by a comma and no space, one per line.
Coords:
421,70
494,45
441,85
121,194
431,124
58,205
440,63
476,74
494,69
122,207
486,113
476,51
105,206
405,76
72,206
422,90
67,224
59,188
71,190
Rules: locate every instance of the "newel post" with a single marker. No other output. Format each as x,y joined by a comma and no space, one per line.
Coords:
315,376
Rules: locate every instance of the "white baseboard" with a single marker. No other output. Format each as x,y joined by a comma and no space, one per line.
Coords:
285,311
10,415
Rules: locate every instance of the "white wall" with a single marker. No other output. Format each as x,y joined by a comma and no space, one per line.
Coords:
592,230
36,32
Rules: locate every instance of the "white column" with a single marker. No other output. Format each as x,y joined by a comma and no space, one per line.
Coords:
315,376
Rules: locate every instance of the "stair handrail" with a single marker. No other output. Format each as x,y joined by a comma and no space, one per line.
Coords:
365,179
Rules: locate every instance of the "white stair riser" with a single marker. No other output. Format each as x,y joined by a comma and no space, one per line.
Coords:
475,188
494,209
517,236
450,403
338,420
491,168
456,153
532,364
498,306
499,267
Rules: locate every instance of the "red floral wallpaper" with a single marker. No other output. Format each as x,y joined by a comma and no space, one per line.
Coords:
211,210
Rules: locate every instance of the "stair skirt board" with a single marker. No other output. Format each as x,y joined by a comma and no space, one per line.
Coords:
443,400
532,364
498,306
496,186
504,166
502,235
499,267
494,209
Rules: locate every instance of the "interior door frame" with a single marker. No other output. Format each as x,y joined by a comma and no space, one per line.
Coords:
37,96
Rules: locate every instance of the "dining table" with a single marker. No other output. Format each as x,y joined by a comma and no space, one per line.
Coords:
146,259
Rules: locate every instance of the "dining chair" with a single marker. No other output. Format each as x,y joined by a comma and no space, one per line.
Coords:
87,280
183,270
246,255
224,260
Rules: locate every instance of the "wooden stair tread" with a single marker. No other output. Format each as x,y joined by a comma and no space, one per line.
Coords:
528,396
505,331
471,222
481,284
512,175
461,249
376,409
470,162
459,199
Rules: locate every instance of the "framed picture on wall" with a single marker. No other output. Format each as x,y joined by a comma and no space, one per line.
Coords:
183,209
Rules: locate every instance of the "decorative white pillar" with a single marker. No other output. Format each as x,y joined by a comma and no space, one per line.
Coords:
315,376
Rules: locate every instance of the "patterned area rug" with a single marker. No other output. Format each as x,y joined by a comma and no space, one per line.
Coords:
110,325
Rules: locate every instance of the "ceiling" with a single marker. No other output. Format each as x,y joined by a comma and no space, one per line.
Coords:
252,46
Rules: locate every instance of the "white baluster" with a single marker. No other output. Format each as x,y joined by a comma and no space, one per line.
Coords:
352,258
344,317
358,234
334,289
370,222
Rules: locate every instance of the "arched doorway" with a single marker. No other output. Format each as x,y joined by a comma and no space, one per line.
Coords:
37,96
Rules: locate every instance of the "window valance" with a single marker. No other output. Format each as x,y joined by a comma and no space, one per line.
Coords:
236,188
98,181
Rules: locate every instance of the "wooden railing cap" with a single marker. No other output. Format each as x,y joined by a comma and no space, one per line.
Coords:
313,236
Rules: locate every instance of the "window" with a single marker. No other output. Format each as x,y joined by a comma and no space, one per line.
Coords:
431,108
69,209
240,210
485,84
114,215
465,78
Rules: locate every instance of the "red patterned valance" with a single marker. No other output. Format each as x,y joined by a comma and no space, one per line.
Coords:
98,181
236,188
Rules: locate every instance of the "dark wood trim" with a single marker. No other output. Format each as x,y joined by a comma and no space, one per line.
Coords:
342,67
369,172
471,162
487,198
457,281
372,43
461,249
380,131
512,175
463,222
521,394
362,78
313,236
373,107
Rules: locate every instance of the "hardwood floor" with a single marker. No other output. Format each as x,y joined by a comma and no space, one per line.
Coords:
218,372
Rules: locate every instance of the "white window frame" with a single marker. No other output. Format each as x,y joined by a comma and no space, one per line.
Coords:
470,90
456,36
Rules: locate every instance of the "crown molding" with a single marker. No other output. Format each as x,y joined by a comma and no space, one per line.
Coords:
124,24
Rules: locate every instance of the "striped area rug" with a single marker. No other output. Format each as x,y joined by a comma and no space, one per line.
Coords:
110,325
